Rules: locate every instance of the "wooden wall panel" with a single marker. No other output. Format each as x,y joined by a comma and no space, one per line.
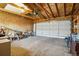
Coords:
15,22
57,18
76,24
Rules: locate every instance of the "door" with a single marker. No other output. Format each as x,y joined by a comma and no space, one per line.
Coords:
54,28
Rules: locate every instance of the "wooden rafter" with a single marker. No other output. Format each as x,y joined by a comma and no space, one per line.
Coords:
76,11
45,10
2,5
57,9
16,5
3,10
33,7
73,9
50,10
30,6
40,7
64,9
26,11
43,16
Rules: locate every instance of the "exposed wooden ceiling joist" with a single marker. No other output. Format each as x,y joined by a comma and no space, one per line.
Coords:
34,7
57,9
26,11
30,6
39,8
28,17
64,9
2,5
57,18
45,10
76,9
50,9
16,5
73,9
40,5
43,16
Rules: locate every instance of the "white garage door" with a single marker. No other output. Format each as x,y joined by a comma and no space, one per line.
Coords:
42,29
53,28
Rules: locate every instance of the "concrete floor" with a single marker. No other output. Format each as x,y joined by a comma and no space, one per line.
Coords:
43,46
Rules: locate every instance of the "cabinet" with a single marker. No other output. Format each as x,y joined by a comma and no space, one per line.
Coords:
4,47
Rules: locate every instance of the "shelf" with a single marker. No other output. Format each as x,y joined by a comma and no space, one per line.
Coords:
4,40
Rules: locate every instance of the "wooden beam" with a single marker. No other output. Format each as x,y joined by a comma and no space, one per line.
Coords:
47,14
64,9
76,9
43,16
45,10
57,18
72,25
39,8
33,7
57,9
30,6
28,17
71,13
19,7
2,5
50,10
16,6
73,9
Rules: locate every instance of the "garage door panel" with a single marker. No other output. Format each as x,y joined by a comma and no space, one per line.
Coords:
53,28
64,28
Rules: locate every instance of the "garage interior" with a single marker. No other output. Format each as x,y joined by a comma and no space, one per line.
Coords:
39,29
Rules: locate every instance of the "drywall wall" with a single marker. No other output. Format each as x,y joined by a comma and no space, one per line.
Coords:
15,22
